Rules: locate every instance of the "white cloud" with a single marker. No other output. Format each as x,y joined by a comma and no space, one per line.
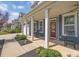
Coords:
3,7
20,7
13,15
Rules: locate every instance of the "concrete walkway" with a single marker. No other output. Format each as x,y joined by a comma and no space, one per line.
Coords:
11,48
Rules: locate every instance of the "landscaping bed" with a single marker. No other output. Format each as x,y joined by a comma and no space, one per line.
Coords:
42,52
22,39
9,31
23,42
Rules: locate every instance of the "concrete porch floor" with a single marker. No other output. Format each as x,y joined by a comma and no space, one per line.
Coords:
12,48
65,50
59,45
53,44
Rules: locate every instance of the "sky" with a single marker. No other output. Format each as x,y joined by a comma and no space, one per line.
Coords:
15,7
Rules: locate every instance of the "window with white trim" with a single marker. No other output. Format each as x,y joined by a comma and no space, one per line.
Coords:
69,25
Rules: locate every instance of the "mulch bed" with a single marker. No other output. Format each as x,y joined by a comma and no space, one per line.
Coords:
22,42
32,53
29,54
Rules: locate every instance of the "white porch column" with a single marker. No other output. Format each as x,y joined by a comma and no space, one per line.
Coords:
25,29
32,27
47,30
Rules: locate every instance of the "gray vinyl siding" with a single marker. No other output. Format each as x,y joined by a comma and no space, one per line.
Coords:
57,28
60,26
78,21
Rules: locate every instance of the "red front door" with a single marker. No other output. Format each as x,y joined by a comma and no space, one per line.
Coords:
53,29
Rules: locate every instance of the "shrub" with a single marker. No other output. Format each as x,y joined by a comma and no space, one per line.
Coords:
48,53
11,31
5,30
17,30
38,50
43,53
20,37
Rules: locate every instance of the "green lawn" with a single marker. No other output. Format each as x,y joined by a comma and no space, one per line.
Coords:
2,33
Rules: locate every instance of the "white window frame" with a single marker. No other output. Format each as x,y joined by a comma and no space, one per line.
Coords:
42,26
69,14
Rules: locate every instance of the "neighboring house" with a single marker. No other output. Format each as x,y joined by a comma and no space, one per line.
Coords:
54,19
17,22
6,26
3,19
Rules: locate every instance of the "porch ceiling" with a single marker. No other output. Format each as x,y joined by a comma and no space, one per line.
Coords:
39,15
61,8
56,9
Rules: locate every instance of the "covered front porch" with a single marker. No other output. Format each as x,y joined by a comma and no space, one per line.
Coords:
46,20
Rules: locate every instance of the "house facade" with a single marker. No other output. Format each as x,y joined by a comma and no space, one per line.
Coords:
54,19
